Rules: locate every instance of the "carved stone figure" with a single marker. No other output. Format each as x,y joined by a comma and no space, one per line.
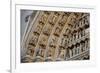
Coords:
62,53
33,41
43,40
38,29
47,29
63,42
66,32
63,20
57,31
44,18
53,41
30,50
51,52
41,51
54,18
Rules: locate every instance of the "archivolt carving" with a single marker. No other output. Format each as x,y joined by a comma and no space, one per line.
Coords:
59,36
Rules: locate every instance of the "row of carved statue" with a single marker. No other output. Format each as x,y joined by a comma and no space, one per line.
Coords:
58,36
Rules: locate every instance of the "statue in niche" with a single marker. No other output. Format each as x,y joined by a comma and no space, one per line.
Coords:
43,18
72,20
82,22
33,41
57,31
70,52
75,49
51,52
76,35
53,41
71,39
79,34
43,40
63,42
66,32
63,20
62,53
67,52
78,48
47,30
80,31
87,44
76,25
68,41
38,29
54,18
30,50
83,46
86,32
41,51
86,21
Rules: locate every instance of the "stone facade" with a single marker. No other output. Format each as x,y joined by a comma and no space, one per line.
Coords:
57,36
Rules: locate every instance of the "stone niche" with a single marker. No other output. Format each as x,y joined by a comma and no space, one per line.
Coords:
47,29
44,17
30,50
63,19
33,40
40,51
61,53
53,19
57,31
51,52
43,40
53,41
38,29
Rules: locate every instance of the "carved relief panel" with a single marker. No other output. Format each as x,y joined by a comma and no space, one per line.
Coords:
51,52
30,50
33,41
70,53
54,18
38,29
44,17
62,53
63,42
40,51
47,30
57,31
43,40
63,19
66,31
82,46
72,19
53,41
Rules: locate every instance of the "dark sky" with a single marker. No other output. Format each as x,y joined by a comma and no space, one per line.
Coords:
24,14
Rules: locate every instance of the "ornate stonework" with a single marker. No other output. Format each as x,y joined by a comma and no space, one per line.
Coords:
57,36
